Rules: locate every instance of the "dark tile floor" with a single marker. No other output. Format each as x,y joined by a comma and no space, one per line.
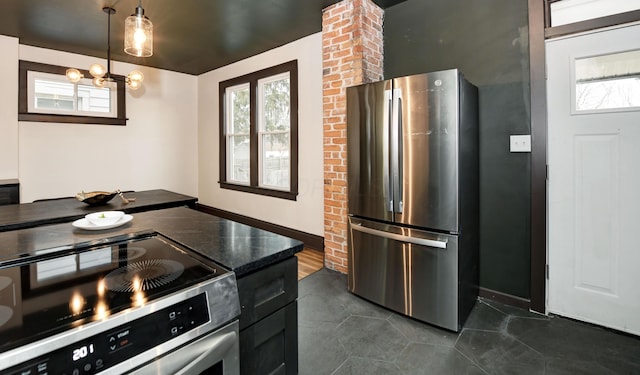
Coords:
340,333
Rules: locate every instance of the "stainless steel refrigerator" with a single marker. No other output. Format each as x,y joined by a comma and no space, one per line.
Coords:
412,166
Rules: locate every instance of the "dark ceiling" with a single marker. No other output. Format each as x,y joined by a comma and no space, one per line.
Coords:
190,36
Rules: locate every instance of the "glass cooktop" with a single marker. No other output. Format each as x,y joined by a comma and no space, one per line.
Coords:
55,292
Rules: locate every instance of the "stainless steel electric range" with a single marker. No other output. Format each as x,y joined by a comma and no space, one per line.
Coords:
140,304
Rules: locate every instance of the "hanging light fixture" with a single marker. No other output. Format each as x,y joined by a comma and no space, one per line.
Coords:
101,75
138,34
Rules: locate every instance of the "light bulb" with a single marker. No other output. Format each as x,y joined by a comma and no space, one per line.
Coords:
134,85
98,82
74,75
139,36
97,70
136,75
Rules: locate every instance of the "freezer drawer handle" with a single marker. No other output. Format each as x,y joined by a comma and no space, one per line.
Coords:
401,238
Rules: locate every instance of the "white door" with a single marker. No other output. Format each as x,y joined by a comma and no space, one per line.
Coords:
593,94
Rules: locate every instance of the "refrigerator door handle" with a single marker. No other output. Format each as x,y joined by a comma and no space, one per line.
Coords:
400,156
398,237
387,120
397,159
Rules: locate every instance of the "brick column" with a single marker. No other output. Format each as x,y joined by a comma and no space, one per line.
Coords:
352,53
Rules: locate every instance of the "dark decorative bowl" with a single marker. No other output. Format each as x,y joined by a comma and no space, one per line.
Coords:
95,198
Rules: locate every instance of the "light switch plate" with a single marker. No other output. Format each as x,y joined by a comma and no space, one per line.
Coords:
520,143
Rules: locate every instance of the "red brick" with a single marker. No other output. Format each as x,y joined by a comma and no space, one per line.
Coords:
352,54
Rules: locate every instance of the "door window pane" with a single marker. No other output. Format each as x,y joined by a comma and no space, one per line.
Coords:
607,82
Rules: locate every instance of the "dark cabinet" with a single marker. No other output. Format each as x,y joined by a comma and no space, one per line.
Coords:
269,319
9,192
270,346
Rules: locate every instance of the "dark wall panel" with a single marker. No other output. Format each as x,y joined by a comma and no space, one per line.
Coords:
488,41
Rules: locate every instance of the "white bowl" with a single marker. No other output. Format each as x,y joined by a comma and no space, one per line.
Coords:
104,217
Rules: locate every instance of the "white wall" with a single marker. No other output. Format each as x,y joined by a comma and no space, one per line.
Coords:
155,150
170,141
306,213
9,108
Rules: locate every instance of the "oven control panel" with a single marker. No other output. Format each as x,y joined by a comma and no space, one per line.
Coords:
104,350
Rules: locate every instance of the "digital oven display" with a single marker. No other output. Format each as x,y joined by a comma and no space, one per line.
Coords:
104,350
82,352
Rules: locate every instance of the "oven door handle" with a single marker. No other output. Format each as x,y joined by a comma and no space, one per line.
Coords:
214,349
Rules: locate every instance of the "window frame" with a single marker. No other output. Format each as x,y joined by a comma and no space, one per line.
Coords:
262,131
23,98
575,81
583,26
33,76
252,79
228,134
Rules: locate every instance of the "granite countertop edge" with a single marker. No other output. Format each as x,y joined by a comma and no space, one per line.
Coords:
267,261
238,247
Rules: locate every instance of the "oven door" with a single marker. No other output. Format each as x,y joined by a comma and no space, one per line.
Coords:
215,353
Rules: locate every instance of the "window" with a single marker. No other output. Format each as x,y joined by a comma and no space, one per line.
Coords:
45,95
238,126
570,11
259,132
53,93
274,131
607,82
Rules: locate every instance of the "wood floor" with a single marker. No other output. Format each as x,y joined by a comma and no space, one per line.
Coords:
309,261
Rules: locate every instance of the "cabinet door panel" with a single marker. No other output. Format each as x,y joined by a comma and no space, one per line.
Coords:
267,290
271,345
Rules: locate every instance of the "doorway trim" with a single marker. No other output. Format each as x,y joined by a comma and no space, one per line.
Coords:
538,87
539,30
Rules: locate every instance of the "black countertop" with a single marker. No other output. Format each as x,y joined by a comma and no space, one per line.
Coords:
29,215
238,247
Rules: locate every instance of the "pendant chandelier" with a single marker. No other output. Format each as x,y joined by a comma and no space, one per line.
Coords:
138,42
138,34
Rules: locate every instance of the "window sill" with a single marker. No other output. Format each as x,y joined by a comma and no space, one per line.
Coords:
290,195
40,117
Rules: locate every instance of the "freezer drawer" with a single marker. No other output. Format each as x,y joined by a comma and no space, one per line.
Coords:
410,271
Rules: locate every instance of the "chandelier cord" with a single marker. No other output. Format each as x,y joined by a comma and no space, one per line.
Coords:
109,43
